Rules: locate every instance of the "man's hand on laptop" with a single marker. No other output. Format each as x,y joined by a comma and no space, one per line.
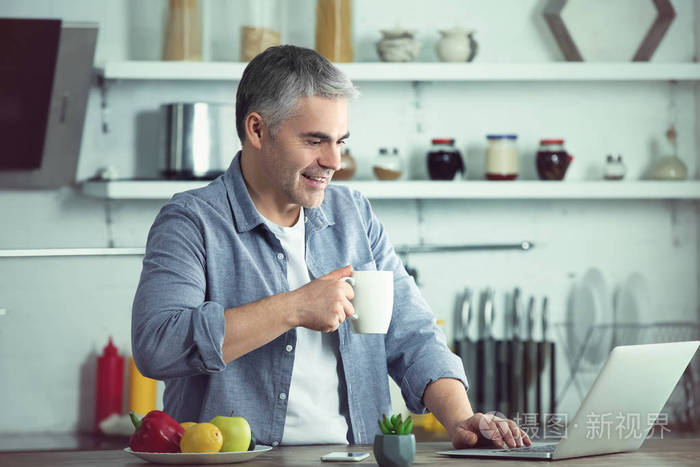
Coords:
487,430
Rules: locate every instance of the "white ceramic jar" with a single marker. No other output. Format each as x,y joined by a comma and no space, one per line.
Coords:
398,46
454,45
387,165
615,169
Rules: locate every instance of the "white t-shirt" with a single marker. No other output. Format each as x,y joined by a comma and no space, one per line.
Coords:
313,405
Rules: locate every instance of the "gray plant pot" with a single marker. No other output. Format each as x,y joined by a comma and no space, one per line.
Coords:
394,450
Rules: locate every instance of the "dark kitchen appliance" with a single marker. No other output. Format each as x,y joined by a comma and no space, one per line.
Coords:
46,74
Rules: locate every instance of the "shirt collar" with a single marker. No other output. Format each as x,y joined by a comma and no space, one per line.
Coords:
246,216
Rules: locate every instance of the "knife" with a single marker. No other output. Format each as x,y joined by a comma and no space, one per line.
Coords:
546,404
480,373
488,314
467,345
516,314
485,355
530,373
552,373
458,324
489,395
530,318
466,312
515,391
502,349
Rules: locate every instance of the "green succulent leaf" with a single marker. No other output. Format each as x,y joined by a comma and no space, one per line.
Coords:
406,426
394,424
388,425
385,429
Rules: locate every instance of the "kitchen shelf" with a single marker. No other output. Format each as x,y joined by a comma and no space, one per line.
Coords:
47,252
426,71
425,189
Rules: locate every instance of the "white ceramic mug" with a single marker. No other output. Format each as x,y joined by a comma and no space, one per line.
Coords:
373,302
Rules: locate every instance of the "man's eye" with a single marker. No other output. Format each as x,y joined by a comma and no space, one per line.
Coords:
342,141
314,142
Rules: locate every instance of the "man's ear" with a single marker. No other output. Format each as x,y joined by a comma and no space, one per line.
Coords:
255,129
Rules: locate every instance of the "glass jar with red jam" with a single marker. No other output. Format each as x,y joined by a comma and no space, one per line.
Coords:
552,159
444,159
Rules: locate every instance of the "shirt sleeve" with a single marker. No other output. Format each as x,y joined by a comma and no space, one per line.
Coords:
175,332
416,348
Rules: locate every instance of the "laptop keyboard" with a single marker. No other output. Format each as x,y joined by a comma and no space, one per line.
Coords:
542,448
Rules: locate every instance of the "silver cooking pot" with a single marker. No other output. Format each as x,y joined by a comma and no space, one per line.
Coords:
197,139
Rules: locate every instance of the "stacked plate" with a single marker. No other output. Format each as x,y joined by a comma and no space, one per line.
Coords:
631,308
591,304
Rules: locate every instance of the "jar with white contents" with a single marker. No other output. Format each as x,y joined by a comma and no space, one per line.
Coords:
502,157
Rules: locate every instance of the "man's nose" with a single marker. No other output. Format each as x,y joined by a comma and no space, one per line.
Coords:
330,158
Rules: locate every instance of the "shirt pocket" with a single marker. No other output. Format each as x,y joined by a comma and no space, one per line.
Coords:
370,266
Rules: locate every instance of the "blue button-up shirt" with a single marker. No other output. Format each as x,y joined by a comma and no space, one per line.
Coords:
209,250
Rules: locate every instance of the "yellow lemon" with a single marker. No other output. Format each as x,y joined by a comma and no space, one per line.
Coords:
186,425
202,437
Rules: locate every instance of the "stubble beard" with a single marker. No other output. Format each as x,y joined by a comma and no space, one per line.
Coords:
292,187
292,182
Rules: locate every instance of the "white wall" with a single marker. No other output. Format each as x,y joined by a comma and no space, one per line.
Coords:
62,310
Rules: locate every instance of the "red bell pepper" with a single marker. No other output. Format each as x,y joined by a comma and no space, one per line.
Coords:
156,432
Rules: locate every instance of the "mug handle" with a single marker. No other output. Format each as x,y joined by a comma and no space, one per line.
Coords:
350,281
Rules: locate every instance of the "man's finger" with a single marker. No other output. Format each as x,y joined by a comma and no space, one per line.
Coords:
495,435
349,291
345,271
507,436
525,437
515,431
465,439
348,309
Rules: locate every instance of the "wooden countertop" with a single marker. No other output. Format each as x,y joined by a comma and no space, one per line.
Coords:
655,452
61,442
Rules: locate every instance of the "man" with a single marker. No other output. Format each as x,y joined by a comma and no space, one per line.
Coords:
241,306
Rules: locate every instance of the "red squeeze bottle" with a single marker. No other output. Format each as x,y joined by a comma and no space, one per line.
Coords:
110,381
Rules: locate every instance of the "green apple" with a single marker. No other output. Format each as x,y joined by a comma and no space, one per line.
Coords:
236,431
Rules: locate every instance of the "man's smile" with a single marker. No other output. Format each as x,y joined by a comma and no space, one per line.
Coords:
317,179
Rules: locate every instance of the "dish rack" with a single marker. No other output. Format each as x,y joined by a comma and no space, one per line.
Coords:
588,356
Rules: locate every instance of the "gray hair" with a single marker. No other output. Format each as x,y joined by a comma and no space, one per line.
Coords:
274,80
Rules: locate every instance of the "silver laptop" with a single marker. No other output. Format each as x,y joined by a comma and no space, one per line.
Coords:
620,408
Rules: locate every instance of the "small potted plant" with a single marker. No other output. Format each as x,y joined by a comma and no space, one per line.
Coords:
396,445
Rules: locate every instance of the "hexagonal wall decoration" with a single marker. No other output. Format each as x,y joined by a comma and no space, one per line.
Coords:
664,18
